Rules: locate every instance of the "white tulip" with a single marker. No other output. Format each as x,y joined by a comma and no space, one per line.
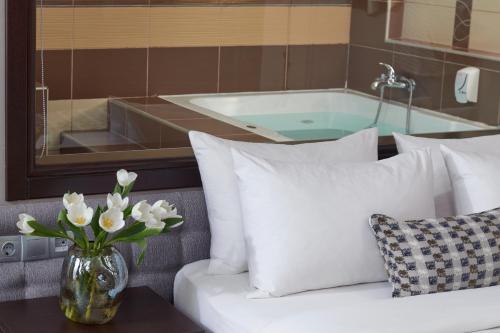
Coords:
157,214
125,178
112,220
80,215
142,211
155,223
155,220
160,211
72,199
168,209
23,225
116,201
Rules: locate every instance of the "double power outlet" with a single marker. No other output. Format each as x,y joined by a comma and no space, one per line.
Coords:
28,248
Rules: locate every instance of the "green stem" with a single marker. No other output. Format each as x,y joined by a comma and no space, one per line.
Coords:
92,281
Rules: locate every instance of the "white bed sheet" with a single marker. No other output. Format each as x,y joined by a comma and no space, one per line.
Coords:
220,304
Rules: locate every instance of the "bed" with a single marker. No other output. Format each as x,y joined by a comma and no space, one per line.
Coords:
220,304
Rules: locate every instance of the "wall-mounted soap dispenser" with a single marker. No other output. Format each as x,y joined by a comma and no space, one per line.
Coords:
467,85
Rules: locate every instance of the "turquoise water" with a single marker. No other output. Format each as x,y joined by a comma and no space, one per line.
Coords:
315,125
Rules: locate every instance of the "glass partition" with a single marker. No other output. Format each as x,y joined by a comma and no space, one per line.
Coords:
128,79
105,69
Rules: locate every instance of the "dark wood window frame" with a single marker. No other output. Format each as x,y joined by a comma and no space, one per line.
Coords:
88,173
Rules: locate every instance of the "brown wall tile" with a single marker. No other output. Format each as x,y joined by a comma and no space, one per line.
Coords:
472,61
173,138
109,72
248,137
143,130
397,18
159,108
426,53
364,67
183,70
252,68
428,76
57,73
117,118
209,125
368,23
316,66
461,30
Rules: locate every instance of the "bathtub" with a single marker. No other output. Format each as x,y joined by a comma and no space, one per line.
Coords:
316,115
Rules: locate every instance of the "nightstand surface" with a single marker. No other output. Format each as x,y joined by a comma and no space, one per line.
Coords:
142,311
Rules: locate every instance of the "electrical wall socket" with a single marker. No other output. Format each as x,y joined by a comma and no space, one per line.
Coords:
28,248
11,248
59,247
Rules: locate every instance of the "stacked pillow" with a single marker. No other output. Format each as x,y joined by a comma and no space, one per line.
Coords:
443,192
227,251
296,215
306,223
455,252
475,178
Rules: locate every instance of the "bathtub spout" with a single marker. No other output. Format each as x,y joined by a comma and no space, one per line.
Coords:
391,80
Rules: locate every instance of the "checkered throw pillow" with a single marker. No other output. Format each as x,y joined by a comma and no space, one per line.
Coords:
436,255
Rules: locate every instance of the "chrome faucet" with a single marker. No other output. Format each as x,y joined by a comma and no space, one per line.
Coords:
391,80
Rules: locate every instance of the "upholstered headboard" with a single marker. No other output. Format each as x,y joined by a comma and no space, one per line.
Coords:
165,256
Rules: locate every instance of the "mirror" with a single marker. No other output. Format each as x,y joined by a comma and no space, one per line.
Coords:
468,27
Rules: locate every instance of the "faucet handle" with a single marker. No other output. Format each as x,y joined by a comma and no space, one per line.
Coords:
391,73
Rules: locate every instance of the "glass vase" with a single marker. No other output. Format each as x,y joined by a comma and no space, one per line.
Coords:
92,285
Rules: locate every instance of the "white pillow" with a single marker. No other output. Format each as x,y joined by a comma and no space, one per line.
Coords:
306,224
475,178
442,187
227,251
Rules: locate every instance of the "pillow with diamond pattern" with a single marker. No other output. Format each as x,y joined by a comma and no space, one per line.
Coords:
437,255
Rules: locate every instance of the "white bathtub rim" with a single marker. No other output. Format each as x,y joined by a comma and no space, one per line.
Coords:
185,101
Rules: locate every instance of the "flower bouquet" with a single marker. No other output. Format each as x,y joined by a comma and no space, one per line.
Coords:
94,273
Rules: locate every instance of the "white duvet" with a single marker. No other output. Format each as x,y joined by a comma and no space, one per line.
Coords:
220,304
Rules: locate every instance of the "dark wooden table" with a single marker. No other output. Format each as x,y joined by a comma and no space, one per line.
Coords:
142,311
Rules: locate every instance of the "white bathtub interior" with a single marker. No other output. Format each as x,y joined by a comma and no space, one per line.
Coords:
317,115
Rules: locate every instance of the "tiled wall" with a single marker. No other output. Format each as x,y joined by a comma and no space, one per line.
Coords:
273,45
133,48
96,52
433,71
